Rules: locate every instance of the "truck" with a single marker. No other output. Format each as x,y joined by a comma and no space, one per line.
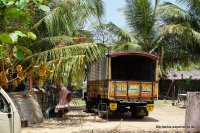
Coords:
9,116
120,82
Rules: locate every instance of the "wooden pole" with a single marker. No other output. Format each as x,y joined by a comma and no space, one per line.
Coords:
174,95
30,82
192,117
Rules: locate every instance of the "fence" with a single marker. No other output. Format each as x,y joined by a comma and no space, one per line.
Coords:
46,99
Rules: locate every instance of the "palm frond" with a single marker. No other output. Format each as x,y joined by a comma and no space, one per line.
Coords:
184,31
122,34
140,16
50,42
192,5
70,15
170,12
127,46
90,50
66,66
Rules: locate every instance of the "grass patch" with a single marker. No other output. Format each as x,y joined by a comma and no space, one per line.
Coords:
77,101
161,102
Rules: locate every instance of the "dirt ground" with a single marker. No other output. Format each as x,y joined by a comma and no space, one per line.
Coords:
162,119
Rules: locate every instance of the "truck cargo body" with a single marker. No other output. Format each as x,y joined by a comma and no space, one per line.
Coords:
123,81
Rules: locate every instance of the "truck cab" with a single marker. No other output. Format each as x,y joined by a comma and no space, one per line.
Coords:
9,116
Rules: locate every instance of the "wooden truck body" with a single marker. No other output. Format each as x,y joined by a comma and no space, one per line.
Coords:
123,81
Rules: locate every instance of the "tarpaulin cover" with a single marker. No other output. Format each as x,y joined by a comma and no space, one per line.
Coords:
64,99
28,107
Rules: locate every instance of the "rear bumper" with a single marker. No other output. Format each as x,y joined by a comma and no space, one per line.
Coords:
129,103
132,103
132,106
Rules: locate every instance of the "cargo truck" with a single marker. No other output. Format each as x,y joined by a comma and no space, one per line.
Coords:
121,82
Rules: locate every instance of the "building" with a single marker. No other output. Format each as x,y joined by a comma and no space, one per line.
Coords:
176,82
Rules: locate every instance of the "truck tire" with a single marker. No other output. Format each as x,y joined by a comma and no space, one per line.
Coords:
101,114
135,113
136,116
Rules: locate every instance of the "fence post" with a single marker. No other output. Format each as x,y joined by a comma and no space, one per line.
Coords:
192,116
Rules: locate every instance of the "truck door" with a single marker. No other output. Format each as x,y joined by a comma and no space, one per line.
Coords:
6,121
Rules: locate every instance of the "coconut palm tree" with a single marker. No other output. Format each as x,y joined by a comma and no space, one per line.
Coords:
62,39
141,21
165,29
180,29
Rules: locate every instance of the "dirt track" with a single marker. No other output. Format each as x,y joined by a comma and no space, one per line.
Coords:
77,121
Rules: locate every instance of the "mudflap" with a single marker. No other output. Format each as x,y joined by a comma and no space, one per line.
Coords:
139,112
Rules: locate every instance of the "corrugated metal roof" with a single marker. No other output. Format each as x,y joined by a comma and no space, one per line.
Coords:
194,74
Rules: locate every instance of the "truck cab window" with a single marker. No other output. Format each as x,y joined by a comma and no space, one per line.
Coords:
3,105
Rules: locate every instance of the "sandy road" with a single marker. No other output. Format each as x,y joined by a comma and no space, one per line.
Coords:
165,117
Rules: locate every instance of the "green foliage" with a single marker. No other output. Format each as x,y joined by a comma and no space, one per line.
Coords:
180,30
1,51
5,38
66,19
60,34
122,34
44,8
120,46
15,35
141,20
13,12
185,85
18,53
31,35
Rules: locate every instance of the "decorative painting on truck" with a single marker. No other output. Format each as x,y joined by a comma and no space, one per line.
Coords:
134,88
146,90
121,88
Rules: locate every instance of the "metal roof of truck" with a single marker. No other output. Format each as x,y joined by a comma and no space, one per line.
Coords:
138,53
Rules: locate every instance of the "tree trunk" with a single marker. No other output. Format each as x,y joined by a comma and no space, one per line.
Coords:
192,118
161,58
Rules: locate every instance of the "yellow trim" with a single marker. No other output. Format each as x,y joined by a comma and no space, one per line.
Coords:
150,107
113,106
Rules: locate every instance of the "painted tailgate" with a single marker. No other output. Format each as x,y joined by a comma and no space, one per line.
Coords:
133,89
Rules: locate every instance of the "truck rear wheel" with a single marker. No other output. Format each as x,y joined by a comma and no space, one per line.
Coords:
101,114
136,116
139,112
102,110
